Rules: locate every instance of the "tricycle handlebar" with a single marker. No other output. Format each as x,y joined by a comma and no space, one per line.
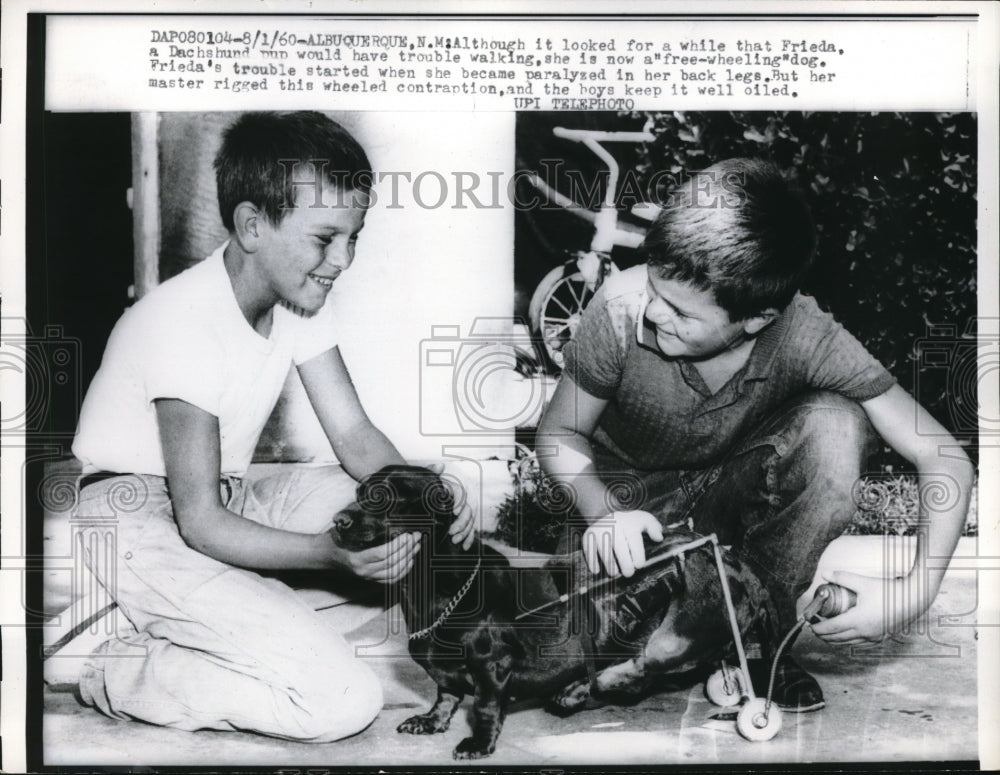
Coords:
580,135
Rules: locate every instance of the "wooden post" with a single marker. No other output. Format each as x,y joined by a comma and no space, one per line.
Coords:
145,202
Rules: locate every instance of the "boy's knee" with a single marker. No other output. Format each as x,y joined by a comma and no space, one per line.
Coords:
833,432
339,708
827,411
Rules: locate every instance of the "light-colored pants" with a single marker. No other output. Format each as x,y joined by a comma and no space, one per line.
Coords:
214,646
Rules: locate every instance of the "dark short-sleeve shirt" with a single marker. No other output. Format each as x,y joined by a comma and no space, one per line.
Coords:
661,415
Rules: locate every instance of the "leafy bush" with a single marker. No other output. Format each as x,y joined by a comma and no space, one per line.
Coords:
529,518
888,505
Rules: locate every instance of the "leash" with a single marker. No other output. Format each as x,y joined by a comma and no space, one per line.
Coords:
452,605
587,588
73,632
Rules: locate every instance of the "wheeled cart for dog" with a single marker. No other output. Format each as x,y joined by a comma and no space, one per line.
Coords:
758,719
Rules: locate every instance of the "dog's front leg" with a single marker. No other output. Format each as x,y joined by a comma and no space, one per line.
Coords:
436,719
490,675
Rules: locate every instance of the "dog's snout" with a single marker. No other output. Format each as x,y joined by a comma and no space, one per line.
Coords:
343,521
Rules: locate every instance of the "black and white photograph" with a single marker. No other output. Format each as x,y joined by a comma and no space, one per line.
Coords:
500,387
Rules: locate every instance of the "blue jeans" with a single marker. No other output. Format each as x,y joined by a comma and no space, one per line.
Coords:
213,646
779,498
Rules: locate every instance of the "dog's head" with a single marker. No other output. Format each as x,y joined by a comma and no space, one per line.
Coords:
397,499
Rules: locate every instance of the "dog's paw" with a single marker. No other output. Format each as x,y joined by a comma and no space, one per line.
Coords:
470,748
423,725
573,697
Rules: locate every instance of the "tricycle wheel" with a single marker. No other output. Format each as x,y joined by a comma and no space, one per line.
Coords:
556,307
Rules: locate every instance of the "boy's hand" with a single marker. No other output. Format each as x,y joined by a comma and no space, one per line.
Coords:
463,528
884,606
615,541
387,563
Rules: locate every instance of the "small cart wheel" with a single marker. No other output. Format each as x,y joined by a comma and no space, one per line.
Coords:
724,688
756,722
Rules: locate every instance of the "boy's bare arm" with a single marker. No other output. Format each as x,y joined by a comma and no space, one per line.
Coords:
614,538
945,483
360,447
563,444
190,440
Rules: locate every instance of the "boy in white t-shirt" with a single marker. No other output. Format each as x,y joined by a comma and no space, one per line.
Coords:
167,431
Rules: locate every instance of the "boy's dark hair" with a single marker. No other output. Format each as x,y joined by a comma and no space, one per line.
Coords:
256,162
736,229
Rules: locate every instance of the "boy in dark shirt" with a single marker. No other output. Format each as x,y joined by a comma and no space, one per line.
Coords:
733,401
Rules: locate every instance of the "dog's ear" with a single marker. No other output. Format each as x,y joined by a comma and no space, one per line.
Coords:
437,496
376,494
435,468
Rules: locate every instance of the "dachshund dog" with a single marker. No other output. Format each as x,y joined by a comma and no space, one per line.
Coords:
472,625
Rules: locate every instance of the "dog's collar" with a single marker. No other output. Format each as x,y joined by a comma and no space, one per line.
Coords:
452,604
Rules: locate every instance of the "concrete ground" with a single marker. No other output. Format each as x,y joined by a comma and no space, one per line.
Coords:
913,698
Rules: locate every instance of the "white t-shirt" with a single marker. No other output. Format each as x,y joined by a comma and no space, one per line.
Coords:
188,339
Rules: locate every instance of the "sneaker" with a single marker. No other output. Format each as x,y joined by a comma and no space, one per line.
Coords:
795,691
